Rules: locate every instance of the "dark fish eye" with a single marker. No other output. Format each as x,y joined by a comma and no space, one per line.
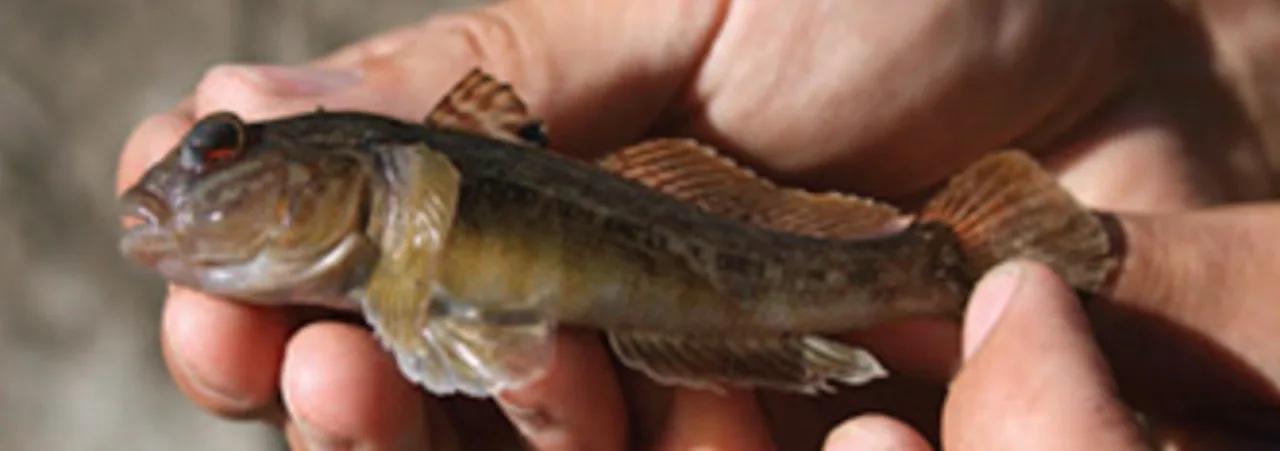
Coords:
217,137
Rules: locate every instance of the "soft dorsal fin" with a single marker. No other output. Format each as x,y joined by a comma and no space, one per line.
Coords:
481,104
697,174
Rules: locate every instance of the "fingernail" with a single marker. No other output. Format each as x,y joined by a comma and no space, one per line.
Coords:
989,300
213,390
318,441
300,80
314,439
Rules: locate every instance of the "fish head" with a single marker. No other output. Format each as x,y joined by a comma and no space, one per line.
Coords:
232,211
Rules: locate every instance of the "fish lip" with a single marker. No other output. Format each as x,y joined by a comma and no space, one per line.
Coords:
140,208
147,238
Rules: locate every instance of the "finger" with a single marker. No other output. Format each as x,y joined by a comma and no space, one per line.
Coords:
577,405
615,63
802,422
875,432
223,355
701,419
343,392
1198,284
377,46
1033,378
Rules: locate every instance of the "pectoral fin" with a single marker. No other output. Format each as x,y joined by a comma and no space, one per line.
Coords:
443,344
697,174
476,352
800,363
481,104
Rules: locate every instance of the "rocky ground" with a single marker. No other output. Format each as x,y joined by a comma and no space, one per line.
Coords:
79,356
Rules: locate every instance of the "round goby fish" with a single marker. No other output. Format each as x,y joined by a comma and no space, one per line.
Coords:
465,243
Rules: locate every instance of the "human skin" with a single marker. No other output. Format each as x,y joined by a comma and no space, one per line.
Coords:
1032,378
880,98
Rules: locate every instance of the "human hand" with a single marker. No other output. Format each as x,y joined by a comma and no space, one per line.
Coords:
1032,378
859,96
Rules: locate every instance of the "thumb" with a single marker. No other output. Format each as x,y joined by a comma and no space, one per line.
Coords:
1033,378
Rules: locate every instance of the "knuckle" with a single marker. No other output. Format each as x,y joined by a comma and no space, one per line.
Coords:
487,38
232,88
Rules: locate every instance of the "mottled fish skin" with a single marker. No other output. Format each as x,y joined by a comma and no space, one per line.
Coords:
612,253
466,243
608,252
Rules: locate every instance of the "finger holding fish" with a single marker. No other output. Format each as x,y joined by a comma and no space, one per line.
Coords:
226,356
342,393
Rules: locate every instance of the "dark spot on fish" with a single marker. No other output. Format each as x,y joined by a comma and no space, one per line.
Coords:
535,133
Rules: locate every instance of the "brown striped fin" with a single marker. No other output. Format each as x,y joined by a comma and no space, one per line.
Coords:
1007,206
697,174
481,104
797,363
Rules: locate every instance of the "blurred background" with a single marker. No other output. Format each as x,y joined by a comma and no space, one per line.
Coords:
80,364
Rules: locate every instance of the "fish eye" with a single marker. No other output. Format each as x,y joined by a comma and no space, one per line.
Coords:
215,138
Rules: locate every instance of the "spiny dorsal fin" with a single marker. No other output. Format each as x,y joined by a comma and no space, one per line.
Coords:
697,174
798,363
1007,206
481,104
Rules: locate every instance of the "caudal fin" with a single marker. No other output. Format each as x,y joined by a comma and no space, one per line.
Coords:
1006,206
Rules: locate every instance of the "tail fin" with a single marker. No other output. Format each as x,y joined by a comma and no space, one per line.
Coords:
1007,206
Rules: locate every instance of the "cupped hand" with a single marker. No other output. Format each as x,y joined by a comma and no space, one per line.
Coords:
881,98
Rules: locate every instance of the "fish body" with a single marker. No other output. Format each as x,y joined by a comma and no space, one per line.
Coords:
607,252
466,243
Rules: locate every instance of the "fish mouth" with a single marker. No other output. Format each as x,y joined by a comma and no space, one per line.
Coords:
147,237
139,208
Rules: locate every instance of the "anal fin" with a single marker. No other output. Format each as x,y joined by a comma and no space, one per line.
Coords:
695,173
482,105
798,363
